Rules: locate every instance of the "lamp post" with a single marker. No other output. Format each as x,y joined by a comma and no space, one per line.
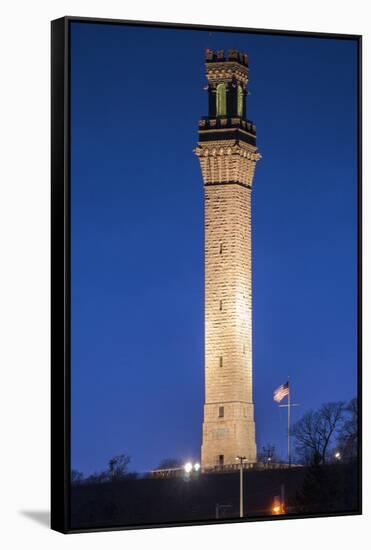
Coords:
241,459
191,470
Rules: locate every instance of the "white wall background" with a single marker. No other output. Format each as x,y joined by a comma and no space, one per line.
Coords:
24,271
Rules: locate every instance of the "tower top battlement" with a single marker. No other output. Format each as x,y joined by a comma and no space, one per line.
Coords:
216,56
227,77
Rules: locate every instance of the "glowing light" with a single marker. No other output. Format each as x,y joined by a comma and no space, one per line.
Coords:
277,506
196,466
337,456
188,467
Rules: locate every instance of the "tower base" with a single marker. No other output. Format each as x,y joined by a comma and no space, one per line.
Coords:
224,438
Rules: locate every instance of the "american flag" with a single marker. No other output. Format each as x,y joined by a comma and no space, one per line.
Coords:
281,392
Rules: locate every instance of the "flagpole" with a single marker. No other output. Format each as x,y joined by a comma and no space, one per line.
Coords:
281,392
289,422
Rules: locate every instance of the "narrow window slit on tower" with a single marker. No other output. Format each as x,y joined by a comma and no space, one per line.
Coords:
221,412
221,305
221,248
220,361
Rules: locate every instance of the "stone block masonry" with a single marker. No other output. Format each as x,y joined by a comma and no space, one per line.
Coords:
227,158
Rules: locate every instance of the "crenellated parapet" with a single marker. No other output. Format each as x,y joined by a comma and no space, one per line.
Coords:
207,123
220,56
223,128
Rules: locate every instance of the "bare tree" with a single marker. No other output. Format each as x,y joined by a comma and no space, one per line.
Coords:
117,469
118,466
267,455
347,442
314,432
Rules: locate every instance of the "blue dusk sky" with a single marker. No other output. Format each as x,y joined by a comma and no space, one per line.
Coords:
137,235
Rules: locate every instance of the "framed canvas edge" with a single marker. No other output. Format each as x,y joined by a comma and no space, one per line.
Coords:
60,277
203,27
60,269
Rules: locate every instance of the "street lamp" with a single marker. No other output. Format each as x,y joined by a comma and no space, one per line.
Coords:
338,455
241,459
191,470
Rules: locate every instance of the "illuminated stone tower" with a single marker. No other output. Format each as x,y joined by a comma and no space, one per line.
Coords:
228,154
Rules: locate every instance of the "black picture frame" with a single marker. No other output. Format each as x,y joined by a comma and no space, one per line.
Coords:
60,264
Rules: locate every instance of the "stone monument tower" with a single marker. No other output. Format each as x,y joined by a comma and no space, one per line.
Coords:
227,153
